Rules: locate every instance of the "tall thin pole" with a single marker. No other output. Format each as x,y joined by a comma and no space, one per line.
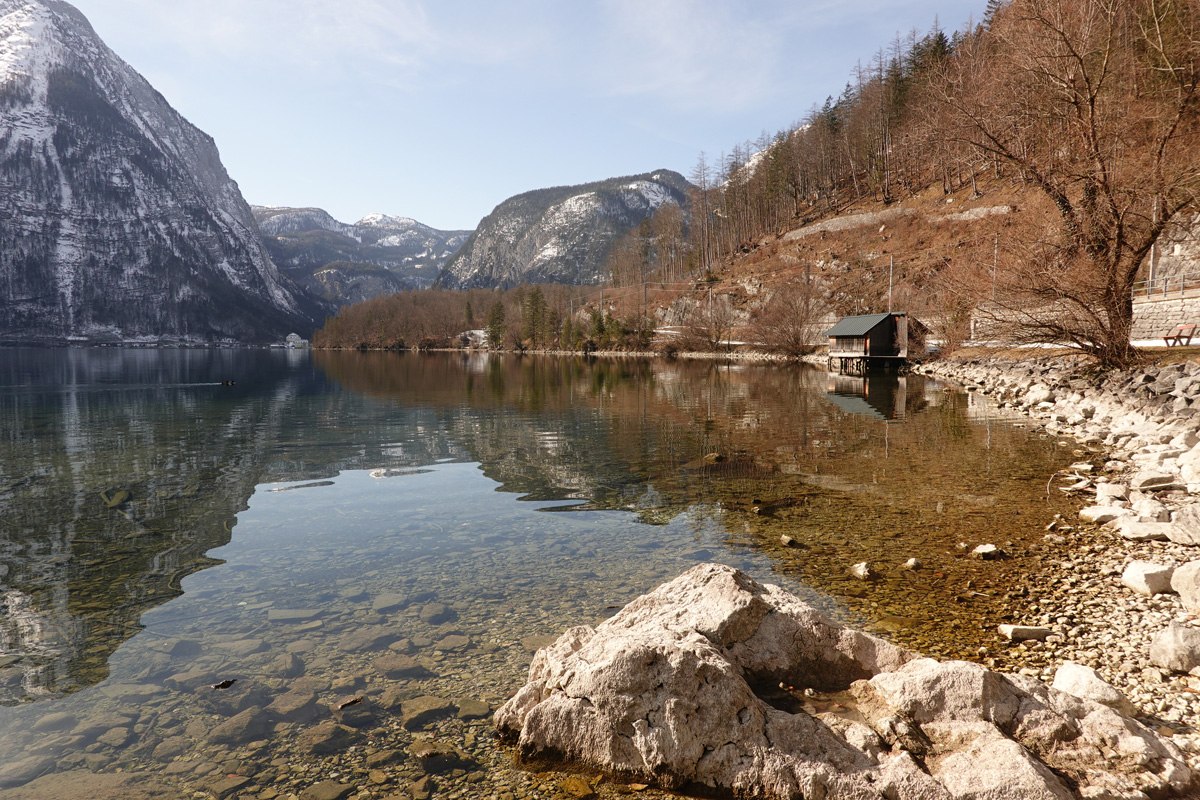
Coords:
891,265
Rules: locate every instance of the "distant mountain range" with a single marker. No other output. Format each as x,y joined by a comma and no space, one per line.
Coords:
118,222
559,235
344,263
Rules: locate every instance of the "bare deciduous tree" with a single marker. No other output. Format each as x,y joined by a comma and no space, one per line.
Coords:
1094,103
790,322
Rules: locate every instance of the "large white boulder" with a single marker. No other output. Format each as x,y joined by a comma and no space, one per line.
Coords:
703,681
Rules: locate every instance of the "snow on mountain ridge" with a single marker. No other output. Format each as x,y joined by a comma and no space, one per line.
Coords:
144,213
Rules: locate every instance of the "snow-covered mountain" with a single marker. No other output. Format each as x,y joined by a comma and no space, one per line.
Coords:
559,235
117,220
345,263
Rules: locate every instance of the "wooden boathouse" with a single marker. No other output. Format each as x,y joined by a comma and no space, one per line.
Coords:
857,344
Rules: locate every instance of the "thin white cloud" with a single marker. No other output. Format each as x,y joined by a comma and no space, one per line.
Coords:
341,37
694,55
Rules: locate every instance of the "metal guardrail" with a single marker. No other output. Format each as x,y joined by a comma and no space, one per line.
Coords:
1177,285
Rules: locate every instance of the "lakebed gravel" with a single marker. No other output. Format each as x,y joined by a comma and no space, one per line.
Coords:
1142,426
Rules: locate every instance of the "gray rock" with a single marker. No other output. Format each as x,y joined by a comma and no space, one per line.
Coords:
293,615
1186,581
1085,682
398,665
1147,578
1103,514
368,638
327,790
1135,531
420,711
437,613
1108,493
57,721
1150,480
298,705
473,709
288,665
21,771
1185,525
1177,648
245,727
227,785
664,692
327,738
988,552
437,757
1024,633
388,602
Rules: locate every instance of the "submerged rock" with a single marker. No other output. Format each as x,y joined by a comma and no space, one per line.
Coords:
704,681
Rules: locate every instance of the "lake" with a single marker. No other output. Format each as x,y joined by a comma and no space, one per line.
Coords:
408,528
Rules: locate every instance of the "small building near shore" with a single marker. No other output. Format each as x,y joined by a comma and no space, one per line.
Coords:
870,340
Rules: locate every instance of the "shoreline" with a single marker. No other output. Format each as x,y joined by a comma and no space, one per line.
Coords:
1144,423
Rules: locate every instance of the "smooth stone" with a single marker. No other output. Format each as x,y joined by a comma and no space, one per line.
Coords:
24,770
1147,578
327,790
418,712
244,727
115,737
286,666
1176,648
988,552
453,642
398,665
437,613
438,757
1102,514
1136,531
292,615
369,638
473,709
388,602
327,738
298,705
240,648
58,721
226,786
1083,681
532,644
1185,526
1185,581
1151,480
1023,633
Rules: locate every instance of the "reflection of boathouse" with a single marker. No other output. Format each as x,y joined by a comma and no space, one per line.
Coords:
881,397
869,341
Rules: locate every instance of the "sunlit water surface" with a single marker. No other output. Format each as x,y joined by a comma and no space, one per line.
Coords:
392,527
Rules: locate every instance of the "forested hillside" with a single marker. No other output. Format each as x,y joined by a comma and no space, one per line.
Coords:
1018,171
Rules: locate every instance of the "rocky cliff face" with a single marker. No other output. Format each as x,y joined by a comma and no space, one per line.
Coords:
117,220
345,264
558,235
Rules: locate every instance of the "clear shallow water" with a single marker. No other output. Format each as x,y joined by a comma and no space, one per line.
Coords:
388,526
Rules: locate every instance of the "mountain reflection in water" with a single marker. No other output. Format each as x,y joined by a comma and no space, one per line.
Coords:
121,469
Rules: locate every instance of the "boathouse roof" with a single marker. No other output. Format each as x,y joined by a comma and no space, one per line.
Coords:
857,326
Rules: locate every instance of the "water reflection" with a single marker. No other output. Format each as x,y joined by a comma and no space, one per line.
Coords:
397,526
122,469
875,395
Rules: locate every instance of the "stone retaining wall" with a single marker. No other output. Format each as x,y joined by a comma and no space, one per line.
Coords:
1152,319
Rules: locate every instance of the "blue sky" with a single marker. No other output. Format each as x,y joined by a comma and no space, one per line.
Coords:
441,110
